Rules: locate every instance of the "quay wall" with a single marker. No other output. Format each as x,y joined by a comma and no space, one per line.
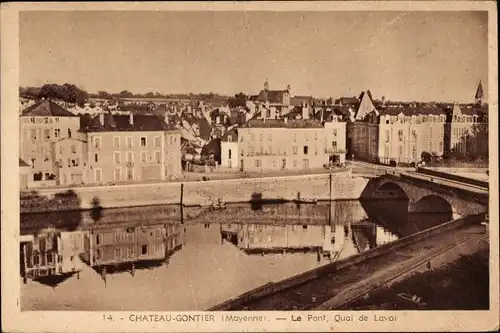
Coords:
344,186
308,277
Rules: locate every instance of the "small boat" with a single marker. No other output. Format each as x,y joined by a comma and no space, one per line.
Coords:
305,201
412,299
218,205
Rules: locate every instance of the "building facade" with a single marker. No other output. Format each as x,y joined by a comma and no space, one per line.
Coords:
41,125
276,144
131,148
467,131
229,150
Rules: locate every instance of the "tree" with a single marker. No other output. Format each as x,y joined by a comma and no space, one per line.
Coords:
125,94
149,95
67,92
103,94
239,99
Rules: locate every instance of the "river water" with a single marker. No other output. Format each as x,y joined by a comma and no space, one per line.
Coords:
144,258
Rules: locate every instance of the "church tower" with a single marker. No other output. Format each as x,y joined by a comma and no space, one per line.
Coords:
479,94
266,85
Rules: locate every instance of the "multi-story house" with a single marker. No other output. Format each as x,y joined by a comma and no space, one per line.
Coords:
50,253
41,125
336,132
406,133
105,246
131,148
70,161
282,144
229,150
396,134
467,128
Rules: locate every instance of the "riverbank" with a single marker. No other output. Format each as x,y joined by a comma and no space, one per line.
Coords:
340,185
462,284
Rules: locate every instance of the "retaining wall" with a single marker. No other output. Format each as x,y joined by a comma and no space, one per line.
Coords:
309,276
343,187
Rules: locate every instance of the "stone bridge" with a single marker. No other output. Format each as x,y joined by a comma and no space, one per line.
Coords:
428,195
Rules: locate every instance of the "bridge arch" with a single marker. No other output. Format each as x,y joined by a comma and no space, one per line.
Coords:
432,204
390,191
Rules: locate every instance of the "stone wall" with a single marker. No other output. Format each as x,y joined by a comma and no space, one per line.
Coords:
343,187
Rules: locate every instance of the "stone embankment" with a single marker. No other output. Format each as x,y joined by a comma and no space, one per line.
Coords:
342,186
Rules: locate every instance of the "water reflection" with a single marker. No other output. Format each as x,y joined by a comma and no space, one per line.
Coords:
144,259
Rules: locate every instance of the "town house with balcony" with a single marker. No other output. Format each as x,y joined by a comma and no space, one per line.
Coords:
282,144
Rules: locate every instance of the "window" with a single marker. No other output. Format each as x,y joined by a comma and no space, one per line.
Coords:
316,150
400,135
387,135
130,142
57,120
47,176
400,150
306,137
315,135
130,156
97,142
118,253
305,163
295,150
96,158
116,142
157,141
117,157
283,163
294,163
229,138
46,134
275,164
306,150
75,162
57,133
157,156
117,174
261,136
69,133
269,137
144,156
334,144
414,134
334,132
73,149
229,155
144,249
261,150
257,164
294,137
143,141
33,134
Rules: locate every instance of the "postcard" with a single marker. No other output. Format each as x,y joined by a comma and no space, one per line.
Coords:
249,166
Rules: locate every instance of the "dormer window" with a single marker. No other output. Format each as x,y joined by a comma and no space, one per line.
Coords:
229,138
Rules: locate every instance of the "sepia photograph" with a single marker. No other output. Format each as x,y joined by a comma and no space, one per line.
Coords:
232,161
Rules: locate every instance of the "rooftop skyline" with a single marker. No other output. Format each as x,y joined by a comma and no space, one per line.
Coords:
428,56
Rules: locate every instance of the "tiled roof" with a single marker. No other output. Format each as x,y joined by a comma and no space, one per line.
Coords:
232,133
46,108
121,123
273,96
23,164
409,111
279,123
299,100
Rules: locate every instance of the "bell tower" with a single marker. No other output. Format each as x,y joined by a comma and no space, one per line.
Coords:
479,97
266,85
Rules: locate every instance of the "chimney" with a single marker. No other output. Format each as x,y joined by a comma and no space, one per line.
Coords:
322,111
286,120
167,121
305,112
101,118
131,118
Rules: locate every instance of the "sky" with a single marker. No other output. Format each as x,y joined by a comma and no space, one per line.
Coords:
424,56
